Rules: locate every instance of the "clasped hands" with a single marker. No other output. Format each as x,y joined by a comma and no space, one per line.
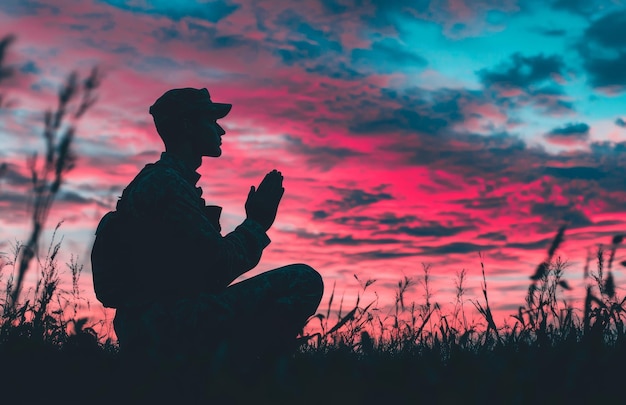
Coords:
262,203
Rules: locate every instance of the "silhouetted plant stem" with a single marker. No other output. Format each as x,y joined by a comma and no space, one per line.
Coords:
59,159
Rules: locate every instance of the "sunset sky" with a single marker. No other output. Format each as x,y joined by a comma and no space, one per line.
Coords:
407,131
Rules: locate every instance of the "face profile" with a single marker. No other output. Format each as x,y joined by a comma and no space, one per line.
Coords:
186,120
207,136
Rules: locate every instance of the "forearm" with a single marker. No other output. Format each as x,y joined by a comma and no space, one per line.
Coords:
242,250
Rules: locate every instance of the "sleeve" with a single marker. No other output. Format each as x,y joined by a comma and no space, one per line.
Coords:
175,211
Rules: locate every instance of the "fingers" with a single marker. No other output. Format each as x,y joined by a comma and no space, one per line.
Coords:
272,181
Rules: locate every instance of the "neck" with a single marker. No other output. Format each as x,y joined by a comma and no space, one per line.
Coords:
187,155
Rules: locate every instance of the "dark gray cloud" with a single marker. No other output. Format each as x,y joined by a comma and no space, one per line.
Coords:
354,220
603,49
299,50
374,222
606,72
24,199
382,255
609,30
104,44
552,212
571,129
456,248
205,37
400,119
10,174
304,234
488,157
30,67
575,132
432,228
350,241
392,219
334,7
354,198
416,110
483,203
337,70
536,245
523,72
320,214
536,79
72,197
23,8
494,236
212,11
577,172
620,122
582,7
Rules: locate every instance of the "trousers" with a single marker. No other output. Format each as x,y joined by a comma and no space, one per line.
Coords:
259,316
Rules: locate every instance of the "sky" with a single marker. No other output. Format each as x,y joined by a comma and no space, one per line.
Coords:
410,133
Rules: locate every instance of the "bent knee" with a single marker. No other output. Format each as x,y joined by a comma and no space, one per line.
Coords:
312,277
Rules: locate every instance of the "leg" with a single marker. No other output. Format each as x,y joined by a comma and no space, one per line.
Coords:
270,309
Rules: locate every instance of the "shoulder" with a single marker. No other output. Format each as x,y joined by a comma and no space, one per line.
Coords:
157,177
155,184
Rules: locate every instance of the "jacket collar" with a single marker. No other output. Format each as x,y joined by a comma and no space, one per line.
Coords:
180,166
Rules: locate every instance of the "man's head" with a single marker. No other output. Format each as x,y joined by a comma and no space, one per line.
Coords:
187,116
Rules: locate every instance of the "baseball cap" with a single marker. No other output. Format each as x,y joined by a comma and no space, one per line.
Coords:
177,102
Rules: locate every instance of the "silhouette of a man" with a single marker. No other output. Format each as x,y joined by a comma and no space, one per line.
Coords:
178,301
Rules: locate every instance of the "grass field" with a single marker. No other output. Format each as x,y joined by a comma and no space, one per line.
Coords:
424,355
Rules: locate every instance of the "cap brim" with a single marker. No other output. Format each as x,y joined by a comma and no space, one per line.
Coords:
219,110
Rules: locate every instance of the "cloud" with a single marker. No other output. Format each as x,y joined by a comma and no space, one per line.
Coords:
550,211
529,80
432,228
523,72
12,174
212,11
356,198
494,236
603,49
581,7
374,221
620,122
351,241
28,7
320,214
456,248
414,111
303,42
382,255
387,55
571,173
569,134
